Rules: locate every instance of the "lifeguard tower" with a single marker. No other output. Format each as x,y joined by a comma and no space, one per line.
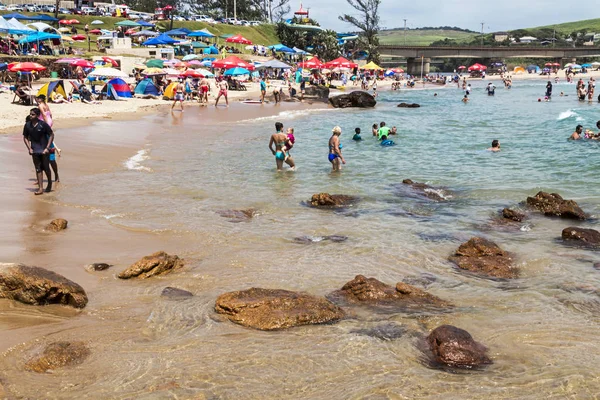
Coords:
302,14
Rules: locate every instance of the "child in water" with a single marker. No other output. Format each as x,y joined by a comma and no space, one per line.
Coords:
289,144
356,135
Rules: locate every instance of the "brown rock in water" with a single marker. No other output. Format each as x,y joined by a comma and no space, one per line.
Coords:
331,200
409,105
57,225
38,286
554,205
58,355
272,309
95,267
587,237
175,293
159,263
514,215
356,98
425,190
371,291
239,215
484,257
456,348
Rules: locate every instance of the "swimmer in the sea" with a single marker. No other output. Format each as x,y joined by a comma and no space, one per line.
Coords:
465,99
356,136
335,150
577,134
495,146
280,139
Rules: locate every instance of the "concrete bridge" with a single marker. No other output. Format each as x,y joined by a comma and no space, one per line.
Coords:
415,55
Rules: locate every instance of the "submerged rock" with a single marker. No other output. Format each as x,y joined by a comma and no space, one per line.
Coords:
38,286
388,331
424,189
175,293
582,236
57,225
331,200
159,263
409,105
58,355
272,309
239,215
484,257
456,348
513,215
95,267
373,292
356,98
554,205
316,239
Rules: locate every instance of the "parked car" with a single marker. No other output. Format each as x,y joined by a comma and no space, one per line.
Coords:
14,7
47,8
255,23
221,21
63,11
2,7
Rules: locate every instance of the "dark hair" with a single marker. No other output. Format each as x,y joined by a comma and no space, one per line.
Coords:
382,124
36,111
576,128
41,97
374,125
495,143
598,124
357,130
278,126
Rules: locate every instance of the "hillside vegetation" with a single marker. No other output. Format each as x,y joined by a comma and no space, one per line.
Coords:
419,37
590,25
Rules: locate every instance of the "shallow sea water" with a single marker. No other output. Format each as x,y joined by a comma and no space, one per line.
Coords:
541,329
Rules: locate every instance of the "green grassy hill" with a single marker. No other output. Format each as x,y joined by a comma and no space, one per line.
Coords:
418,37
590,25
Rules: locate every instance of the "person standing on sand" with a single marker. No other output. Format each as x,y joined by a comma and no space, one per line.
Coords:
179,96
204,88
222,85
46,116
38,136
281,140
335,150
263,89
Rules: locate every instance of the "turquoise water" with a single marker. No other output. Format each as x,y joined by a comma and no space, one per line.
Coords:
542,329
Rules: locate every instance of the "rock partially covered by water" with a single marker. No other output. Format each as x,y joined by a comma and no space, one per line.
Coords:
327,200
357,98
424,189
484,257
95,267
554,205
272,309
159,263
582,236
409,105
513,215
58,355
456,348
239,215
320,92
389,331
38,286
175,293
57,225
371,291
317,239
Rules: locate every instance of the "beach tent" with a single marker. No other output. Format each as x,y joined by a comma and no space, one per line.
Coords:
38,37
274,64
477,67
43,17
311,64
146,87
201,33
145,33
169,93
161,39
519,70
116,89
236,71
178,32
371,66
340,62
281,48
53,87
42,27
210,50
533,68
232,62
107,73
97,22
141,22
17,28
127,22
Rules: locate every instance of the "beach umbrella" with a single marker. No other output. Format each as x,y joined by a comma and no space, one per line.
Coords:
190,57
153,71
274,64
190,73
64,22
313,63
78,37
575,66
64,30
397,70
181,64
194,63
462,67
587,65
548,64
83,63
232,62
206,73
66,38
281,48
110,60
477,67
171,71
596,64
155,63
238,39
73,21
108,73
97,22
236,71
25,67
555,64
130,31
95,31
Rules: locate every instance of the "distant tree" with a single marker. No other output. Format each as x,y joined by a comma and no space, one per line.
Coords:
368,23
275,10
324,44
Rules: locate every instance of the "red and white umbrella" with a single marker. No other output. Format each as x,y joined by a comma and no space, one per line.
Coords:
549,64
340,62
313,63
78,37
238,39
73,21
25,67
462,67
64,22
191,74
477,67
110,60
95,31
232,62
556,64
82,63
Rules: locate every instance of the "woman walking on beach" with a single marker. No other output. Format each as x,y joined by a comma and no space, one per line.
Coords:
335,150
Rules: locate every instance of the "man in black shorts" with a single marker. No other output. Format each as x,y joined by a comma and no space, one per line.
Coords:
38,136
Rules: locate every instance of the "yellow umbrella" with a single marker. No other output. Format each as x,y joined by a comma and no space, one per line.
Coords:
154,71
67,38
64,30
372,66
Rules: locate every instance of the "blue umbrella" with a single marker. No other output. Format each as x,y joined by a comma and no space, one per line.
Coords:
586,65
236,71
199,34
141,22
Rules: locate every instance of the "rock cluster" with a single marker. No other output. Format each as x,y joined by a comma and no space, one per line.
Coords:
513,215
554,205
58,355
585,237
331,200
159,263
272,309
357,99
57,225
484,257
455,347
38,286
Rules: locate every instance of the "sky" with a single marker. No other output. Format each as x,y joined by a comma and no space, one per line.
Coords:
496,15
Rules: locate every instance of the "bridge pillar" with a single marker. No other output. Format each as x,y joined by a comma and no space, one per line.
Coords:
413,66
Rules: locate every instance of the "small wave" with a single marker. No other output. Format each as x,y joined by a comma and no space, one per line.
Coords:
285,115
567,114
440,192
134,163
525,228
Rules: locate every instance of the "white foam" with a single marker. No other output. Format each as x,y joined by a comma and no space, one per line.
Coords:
525,228
287,115
567,114
439,192
134,162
